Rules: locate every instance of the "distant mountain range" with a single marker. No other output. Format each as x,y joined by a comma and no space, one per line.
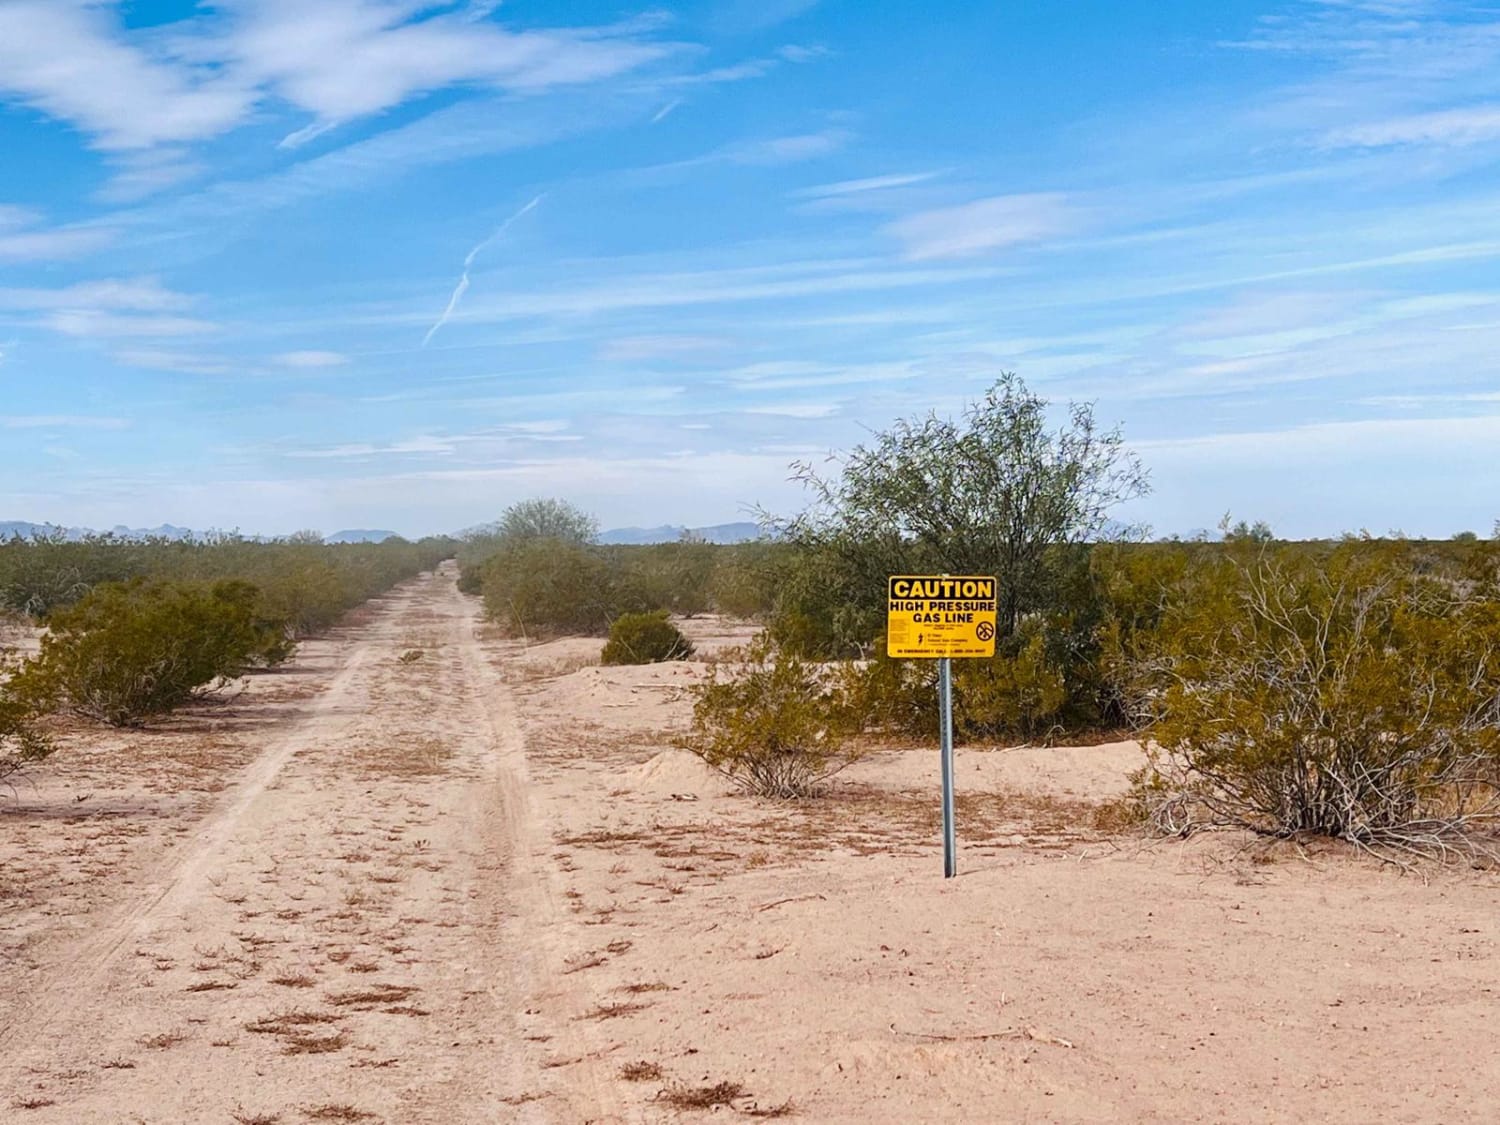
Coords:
360,535
671,533
25,530
666,533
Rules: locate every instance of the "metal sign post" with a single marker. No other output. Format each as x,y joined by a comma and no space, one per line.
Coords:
939,617
945,720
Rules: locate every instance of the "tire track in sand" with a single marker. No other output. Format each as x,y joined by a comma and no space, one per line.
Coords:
359,924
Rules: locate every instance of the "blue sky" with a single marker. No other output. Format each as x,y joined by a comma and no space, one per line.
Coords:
271,264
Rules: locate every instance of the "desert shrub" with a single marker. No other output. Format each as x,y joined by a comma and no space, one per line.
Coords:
21,741
1338,693
309,583
644,638
743,580
131,651
670,576
1027,690
549,586
775,726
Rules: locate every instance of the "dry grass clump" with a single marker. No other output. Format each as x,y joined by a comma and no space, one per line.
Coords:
650,986
336,1112
785,1109
614,1010
701,1097
302,1032
371,997
163,1040
641,1072
211,986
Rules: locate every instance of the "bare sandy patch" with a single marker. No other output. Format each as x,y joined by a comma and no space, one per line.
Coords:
756,958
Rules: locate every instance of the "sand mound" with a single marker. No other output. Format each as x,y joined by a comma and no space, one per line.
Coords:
677,772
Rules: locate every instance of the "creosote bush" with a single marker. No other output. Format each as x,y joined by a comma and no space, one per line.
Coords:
309,583
129,652
776,727
1346,694
644,638
21,742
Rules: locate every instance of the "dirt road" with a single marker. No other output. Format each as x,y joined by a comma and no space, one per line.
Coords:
354,928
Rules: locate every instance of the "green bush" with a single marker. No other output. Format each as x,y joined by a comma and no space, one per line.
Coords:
21,742
1024,691
775,727
309,583
1340,693
644,638
549,586
129,652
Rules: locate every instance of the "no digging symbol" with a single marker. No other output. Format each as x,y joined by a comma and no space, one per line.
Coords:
985,631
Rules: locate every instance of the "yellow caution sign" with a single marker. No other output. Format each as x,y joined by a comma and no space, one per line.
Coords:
937,615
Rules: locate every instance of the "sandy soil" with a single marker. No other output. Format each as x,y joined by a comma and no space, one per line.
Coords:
483,886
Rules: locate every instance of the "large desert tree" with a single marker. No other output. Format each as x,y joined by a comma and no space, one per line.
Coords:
996,490
547,519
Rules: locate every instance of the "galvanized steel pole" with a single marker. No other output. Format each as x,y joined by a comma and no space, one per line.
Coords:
945,711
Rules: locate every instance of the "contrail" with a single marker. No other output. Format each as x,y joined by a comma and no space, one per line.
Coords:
463,282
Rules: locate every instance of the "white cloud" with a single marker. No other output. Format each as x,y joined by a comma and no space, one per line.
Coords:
797,409
338,60
61,422
96,324
344,59
984,225
311,359
789,149
134,294
186,363
109,308
423,445
628,349
51,244
1467,126
1325,442
871,183
69,59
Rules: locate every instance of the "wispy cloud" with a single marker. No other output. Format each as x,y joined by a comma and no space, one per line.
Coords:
72,61
629,349
337,60
664,111
184,363
97,324
310,359
463,282
61,422
984,225
23,237
1455,127
859,187
135,294
423,445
